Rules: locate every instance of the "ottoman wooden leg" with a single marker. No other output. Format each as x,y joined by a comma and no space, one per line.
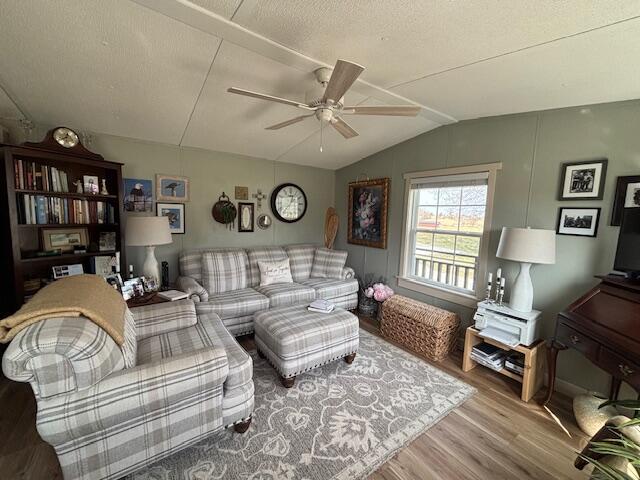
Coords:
287,382
260,354
242,426
350,358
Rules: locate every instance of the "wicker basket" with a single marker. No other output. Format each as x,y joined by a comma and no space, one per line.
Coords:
425,329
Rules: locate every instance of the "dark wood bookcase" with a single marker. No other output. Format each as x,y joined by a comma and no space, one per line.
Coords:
20,240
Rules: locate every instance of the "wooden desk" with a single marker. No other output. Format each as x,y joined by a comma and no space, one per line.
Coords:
603,325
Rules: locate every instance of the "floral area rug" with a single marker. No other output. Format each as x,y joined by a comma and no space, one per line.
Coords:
338,422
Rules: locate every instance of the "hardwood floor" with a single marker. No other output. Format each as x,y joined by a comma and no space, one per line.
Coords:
493,435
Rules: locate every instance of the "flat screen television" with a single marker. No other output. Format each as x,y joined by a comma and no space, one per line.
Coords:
628,251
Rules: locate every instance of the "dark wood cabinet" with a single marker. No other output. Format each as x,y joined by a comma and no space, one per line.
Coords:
604,326
20,240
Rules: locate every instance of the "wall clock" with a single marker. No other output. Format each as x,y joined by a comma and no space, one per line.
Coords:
288,202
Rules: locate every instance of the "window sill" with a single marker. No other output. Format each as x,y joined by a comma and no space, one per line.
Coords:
466,300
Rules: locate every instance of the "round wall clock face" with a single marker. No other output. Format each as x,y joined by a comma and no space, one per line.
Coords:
288,202
65,137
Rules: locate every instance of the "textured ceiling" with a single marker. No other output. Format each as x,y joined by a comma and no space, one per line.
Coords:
159,69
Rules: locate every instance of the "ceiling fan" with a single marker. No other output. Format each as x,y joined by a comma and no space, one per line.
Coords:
326,101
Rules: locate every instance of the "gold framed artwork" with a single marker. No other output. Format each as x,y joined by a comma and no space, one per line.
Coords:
241,193
64,239
368,210
172,188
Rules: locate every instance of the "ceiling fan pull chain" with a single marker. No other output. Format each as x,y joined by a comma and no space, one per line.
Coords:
321,125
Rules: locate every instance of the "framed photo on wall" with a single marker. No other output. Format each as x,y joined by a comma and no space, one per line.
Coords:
367,211
581,222
171,188
175,214
583,180
627,196
245,217
138,195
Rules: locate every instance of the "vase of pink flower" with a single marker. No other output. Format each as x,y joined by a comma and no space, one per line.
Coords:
372,295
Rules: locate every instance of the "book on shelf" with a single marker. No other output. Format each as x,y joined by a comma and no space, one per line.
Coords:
34,176
40,209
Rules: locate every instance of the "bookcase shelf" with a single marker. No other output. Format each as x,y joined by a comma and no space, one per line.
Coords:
74,163
67,256
83,196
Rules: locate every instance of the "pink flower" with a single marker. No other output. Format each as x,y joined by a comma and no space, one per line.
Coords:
368,292
379,296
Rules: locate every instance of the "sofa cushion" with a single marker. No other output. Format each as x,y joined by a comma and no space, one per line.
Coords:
328,263
224,271
264,254
233,304
328,288
283,294
275,272
208,332
190,261
300,260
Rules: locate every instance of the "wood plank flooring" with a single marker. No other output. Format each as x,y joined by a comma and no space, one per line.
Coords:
493,435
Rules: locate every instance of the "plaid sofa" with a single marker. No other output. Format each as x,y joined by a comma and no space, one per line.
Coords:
109,410
235,293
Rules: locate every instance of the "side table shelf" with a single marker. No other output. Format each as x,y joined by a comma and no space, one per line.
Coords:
534,362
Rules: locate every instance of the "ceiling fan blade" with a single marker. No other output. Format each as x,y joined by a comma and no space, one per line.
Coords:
343,76
394,110
278,126
343,128
271,98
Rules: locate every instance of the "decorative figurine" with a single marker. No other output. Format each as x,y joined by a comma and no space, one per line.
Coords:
103,190
78,184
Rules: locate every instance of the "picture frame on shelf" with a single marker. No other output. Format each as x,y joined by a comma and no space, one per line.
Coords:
138,195
583,180
172,188
627,196
64,239
107,242
175,214
367,212
91,184
102,265
246,217
580,222
115,280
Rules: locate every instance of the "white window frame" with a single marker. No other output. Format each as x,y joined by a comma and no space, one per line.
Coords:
451,294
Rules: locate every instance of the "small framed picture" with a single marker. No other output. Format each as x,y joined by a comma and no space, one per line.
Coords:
107,241
582,222
150,285
115,280
627,196
245,217
170,188
175,214
583,180
64,239
241,193
90,184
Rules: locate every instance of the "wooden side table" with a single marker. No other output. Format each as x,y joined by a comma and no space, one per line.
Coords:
534,362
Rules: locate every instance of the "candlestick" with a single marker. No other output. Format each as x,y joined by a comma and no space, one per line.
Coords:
488,296
501,291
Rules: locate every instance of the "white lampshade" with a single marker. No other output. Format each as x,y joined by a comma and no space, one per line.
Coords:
528,245
147,231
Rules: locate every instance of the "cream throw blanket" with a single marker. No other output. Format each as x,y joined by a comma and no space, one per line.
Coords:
81,295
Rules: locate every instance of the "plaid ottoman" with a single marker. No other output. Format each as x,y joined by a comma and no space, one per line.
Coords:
295,340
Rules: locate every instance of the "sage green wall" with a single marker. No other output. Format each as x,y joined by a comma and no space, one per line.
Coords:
210,173
531,147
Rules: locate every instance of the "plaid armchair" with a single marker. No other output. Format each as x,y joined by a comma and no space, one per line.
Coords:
109,410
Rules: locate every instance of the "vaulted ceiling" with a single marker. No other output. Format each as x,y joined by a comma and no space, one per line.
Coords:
158,70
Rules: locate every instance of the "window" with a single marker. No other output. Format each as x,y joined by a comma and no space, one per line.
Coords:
447,217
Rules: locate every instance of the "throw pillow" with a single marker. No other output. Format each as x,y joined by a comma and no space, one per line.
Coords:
328,263
224,271
275,272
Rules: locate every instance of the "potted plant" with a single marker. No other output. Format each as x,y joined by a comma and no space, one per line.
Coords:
372,294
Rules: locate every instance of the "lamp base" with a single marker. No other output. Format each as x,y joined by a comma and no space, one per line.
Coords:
150,267
522,293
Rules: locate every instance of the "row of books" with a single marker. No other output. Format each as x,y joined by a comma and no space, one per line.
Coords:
33,176
40,209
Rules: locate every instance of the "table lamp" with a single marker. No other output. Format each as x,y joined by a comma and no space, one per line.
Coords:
527,246
148,232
